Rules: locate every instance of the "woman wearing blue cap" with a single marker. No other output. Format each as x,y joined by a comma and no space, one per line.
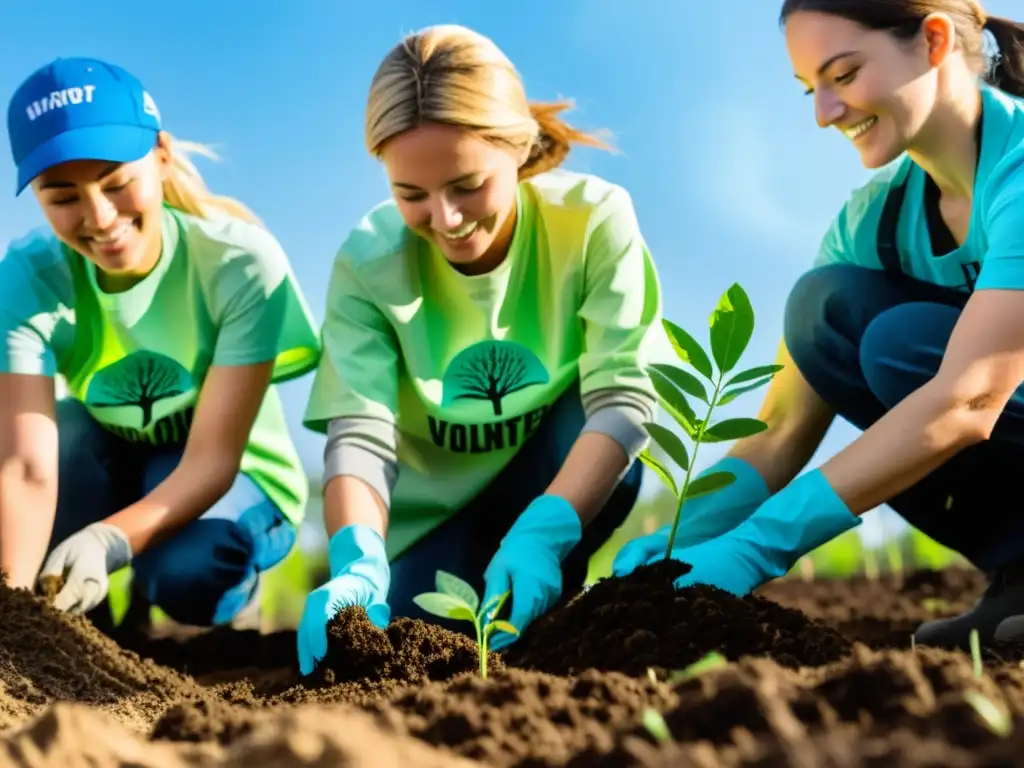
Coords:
170,312
911,323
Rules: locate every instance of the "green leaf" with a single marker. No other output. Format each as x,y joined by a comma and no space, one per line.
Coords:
732,325
670,443
503,626
655,724
733,429
660,470
494,603
450,584
688,349
674,402
445,606
709,483
732,394
754,373
713,660
685,380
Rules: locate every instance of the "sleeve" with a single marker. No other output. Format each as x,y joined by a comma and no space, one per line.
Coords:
1003,265
24,322
621,314
262,314
354,397
852,235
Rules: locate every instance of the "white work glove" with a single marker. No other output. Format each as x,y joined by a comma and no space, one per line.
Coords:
85,560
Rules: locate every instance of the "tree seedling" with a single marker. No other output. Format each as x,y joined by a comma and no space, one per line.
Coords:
455,599
731,328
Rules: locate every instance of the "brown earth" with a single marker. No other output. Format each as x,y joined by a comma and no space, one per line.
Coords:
819,674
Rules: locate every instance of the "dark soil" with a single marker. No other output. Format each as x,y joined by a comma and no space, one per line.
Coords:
818,674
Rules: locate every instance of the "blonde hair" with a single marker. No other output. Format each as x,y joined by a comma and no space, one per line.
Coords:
185,189
451,74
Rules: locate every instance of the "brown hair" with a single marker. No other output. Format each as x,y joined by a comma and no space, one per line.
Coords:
904,17
451,74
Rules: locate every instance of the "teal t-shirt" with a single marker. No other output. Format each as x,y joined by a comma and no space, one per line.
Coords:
992,256
223,293
451,373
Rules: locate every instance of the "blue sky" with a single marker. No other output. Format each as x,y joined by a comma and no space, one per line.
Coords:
731,177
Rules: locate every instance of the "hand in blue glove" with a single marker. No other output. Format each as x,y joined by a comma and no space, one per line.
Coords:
529,562
360,575
702,518
802,516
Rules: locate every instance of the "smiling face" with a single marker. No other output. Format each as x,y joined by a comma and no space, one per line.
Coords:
108,212
456,190
876,88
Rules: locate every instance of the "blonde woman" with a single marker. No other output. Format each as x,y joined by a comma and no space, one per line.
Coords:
487,329
170,312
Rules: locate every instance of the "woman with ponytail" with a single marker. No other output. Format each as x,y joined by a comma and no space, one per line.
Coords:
909,325
487,328
171,313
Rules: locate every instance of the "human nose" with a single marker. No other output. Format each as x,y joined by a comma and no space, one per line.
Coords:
98,211
827,107
445,215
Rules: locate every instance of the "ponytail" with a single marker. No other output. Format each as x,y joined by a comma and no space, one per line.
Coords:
1007,72
185,189
554,140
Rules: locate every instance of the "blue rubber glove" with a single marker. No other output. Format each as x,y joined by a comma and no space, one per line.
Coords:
702,518
802,516
529,562
360,575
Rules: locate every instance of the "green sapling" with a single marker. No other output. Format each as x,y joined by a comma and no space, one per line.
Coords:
455,599
731,327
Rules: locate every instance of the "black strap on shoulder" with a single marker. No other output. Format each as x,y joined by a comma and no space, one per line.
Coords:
888,252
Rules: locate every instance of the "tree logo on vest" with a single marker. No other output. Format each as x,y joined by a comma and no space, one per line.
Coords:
144,397
489,371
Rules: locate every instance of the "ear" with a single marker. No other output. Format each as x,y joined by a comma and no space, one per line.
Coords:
939,33
162,152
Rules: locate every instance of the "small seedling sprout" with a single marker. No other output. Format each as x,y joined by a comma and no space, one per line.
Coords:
976,653
455,599
995,718
731,328
656,726
713,660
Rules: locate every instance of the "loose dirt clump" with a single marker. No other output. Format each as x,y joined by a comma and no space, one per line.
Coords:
47,655
639,621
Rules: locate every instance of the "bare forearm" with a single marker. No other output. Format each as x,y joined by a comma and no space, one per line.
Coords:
920,434
189,491
348,500
589,474
27,510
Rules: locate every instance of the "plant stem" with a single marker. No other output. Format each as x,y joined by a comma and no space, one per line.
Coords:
481,644
690,465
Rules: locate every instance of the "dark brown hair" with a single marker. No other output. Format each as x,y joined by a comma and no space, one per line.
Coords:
903,19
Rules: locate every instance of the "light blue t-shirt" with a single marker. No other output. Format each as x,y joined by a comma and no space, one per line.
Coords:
992,256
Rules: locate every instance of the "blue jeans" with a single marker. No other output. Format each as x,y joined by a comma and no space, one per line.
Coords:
207,571
864,340
465,543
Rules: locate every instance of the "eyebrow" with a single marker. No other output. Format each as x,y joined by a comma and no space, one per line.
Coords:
463,177
66,184
829,62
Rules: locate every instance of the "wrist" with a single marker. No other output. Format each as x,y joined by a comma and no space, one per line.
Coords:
352,543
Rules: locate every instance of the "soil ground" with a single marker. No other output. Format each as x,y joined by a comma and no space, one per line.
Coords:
818,673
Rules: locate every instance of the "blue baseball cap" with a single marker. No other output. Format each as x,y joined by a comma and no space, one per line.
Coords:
79,109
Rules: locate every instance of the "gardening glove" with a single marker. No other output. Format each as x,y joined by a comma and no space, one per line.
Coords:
802,516
360,575
702,518
85,561
529,562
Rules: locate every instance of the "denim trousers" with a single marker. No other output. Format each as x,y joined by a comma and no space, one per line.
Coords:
865,339
465,543
206,572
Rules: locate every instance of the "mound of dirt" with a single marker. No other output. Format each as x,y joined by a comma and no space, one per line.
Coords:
639,621
47,655
882,612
